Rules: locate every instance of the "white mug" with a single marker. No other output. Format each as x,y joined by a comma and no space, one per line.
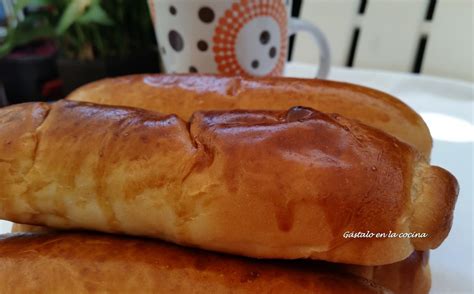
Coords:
234,37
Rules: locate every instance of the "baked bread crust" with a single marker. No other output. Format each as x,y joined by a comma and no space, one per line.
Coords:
409,276
185,94
77,262
285,184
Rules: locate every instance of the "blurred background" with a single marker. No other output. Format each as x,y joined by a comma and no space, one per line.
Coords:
50,47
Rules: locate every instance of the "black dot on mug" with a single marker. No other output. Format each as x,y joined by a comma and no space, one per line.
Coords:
193,69
255,64
202,45
206,14
176,41
264,37
272,52
163,50
173,10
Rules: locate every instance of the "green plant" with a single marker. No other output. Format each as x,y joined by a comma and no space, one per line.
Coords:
86,29
35,26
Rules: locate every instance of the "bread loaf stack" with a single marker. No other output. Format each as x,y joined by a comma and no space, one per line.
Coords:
269,170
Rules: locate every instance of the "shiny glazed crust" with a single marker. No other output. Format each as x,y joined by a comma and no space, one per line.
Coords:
90,263
409,276
185,94
265,184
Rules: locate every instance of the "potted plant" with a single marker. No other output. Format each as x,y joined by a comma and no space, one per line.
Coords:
95,38
28,55
104,38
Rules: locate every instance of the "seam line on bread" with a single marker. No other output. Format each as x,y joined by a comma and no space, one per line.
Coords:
36,135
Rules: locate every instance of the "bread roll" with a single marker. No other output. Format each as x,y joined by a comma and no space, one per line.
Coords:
185,94
409,276
263,184
22,228
89,263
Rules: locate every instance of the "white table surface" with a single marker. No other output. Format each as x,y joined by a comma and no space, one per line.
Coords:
447,106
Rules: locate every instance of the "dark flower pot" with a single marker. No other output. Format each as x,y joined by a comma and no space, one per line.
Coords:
30,74
3,96
75,73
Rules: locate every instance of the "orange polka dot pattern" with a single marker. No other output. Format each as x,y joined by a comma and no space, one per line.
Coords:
233,20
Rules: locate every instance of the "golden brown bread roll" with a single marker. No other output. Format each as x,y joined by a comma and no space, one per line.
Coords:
412,275
87,263
22,228
409,276
256,183
185,94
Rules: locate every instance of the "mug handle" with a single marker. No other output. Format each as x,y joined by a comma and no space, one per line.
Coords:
296,25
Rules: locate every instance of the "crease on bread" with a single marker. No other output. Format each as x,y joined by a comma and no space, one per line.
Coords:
131,171
184,94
